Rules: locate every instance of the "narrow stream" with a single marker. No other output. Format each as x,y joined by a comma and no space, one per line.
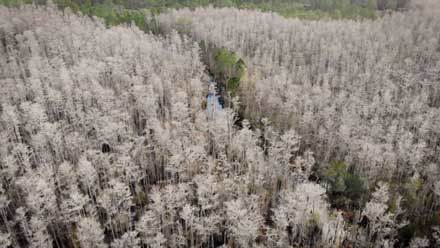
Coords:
212,99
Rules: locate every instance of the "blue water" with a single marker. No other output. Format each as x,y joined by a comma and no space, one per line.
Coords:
213,103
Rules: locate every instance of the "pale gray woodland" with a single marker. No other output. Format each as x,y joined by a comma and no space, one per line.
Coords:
105,142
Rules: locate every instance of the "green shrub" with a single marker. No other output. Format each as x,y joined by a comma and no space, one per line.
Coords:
345,189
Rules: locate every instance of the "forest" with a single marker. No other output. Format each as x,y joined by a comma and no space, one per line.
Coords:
204,123
126,11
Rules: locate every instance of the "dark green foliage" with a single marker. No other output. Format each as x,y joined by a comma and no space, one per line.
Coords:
111,13
224,63
233,84
405,234
240,68
354,186
346,190
392,4
335,175
14,3
114,15
228,69
119,11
